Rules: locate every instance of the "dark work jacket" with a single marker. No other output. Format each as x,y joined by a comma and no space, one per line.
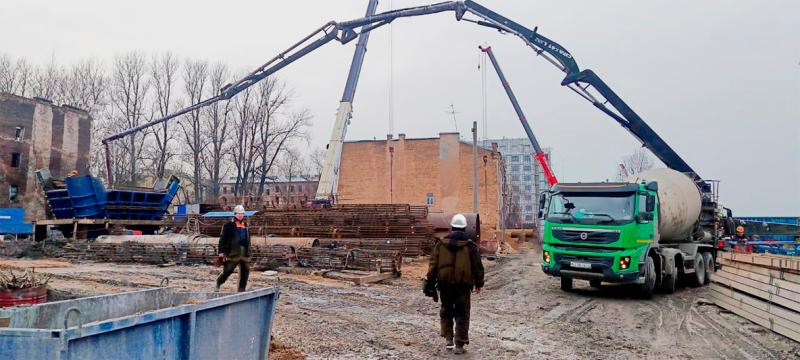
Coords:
229,240
456,261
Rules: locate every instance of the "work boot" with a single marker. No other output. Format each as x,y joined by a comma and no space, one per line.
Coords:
459,349
450,343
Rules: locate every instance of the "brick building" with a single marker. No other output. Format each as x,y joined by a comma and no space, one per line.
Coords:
278,191
433,171
35,134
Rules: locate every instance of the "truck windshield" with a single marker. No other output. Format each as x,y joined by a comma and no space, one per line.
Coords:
588,208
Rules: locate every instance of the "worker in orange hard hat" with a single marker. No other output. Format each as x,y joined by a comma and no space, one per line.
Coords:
73,173
740,238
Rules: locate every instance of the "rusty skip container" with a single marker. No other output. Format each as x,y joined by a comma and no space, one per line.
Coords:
679,200
157,323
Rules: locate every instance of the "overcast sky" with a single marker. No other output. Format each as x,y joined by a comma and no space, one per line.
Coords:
718,80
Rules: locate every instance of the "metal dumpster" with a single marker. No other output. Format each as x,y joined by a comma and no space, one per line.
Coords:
158,323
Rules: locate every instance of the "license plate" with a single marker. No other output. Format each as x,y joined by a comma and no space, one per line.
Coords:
580,265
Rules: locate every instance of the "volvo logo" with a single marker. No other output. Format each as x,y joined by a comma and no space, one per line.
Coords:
584,236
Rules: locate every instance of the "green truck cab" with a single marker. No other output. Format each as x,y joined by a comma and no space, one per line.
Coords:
609,232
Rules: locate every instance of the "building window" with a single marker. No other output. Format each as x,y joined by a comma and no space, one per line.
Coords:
267,191
527,177
528,218
526,168
14,160
528,208
277,188
514,168
528,187
515,148
515,177
515,199
19,133
514,158
515,188
527,159
13,194
429,199
291,188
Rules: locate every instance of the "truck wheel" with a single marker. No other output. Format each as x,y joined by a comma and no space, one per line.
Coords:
709,263
595,283
646,289
566,283
699,277
670,278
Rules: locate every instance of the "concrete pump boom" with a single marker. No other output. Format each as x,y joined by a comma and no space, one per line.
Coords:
583,82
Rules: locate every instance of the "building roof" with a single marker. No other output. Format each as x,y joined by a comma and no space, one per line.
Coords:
276,179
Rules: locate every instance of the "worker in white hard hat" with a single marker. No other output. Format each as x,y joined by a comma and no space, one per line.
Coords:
234,249
455,268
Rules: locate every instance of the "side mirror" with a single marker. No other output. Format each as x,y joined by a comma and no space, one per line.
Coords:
542,202
541,214
650,205
652,186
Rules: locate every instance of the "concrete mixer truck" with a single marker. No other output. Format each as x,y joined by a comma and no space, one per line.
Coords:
648,231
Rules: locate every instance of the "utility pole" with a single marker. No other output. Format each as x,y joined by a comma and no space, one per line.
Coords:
475,167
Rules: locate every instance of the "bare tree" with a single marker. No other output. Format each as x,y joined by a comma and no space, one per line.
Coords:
15,76
195,75
638,161
244,149
214,130
46,81
291,166
164,73
316,162
128,94
8,76
83,85
272,98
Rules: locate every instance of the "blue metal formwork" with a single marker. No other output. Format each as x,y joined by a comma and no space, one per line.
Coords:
12,221
141,205
148,324
88,196
60,203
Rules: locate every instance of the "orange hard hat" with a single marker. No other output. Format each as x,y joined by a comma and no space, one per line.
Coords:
740,229
73,173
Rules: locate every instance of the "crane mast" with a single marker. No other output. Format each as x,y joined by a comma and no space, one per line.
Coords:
329,178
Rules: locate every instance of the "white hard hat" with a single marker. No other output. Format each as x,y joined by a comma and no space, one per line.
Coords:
239,209
459,221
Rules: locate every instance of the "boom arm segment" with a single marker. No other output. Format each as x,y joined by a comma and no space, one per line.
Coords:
539,153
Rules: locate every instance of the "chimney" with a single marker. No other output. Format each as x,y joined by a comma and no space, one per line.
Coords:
388,136
401,136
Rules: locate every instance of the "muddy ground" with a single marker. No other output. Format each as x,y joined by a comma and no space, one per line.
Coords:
522,314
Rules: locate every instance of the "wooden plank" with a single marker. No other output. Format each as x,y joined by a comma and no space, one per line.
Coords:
757,316
734,281
765,279
358,278
375,278
778,274
791,316
781,262
771,288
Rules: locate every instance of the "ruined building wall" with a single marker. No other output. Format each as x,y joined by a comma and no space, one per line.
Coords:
35,134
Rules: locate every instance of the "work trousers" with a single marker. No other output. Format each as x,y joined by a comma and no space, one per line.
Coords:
230,265
455,306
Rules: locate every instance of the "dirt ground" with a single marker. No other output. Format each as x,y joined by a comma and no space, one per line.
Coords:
522,314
